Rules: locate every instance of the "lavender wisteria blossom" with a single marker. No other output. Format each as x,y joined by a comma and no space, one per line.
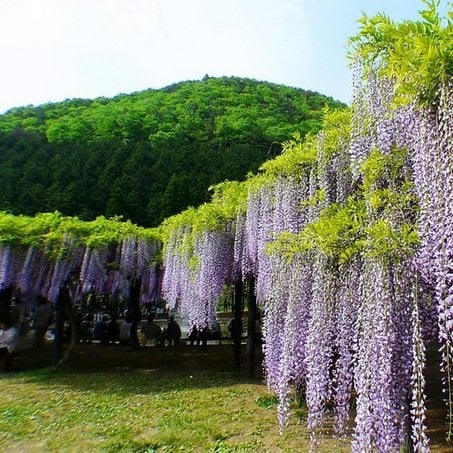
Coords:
361,280
195,273
320,340
426,133
349,237
433,176
293,356
107,269
375,349
349,293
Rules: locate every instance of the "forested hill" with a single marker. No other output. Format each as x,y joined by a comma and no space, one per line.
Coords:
149,154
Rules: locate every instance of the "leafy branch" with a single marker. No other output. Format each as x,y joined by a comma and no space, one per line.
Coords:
416,55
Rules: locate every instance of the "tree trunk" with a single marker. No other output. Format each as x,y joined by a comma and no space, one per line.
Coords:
135,312
70,313
62,298
251,328
236,330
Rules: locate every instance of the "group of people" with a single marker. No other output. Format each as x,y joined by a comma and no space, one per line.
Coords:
15,324
107,330
8,342
153,333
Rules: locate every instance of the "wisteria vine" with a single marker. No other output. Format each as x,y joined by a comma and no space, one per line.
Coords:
104,270
349,236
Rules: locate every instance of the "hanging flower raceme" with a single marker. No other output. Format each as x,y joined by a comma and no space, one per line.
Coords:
252,228
240,265
11,262
128,258
361,139
93,273
383,358
265,234
418,407
216,269
290,359
5,264
176,279
349,296
146,268
198,262
320,341
281,209
63,266
34,275
274,307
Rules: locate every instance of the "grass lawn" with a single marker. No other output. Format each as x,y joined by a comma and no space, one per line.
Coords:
113,399
174,399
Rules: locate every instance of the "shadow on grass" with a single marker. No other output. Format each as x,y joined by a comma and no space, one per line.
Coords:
118,369
114,375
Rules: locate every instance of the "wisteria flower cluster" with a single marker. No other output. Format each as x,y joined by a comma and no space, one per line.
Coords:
349,238
194,277
109,269
355,328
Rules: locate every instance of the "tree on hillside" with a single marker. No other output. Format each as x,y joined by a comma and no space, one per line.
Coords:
150,154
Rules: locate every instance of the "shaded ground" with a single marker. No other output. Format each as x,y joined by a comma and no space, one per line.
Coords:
117,358
189,360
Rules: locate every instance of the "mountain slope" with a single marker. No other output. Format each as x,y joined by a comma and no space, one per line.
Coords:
149,154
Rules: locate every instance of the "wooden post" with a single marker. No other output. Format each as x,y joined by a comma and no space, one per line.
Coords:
251,327
203,338
5,302
135,312
63,295
236,328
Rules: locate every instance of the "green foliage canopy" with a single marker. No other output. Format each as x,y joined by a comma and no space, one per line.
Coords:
47,231
417,55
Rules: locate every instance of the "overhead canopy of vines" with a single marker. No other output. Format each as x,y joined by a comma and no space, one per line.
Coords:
41,254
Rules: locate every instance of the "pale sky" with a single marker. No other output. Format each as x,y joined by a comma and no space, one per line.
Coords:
58,49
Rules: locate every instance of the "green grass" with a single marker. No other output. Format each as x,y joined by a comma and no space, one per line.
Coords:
111,399
197,404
